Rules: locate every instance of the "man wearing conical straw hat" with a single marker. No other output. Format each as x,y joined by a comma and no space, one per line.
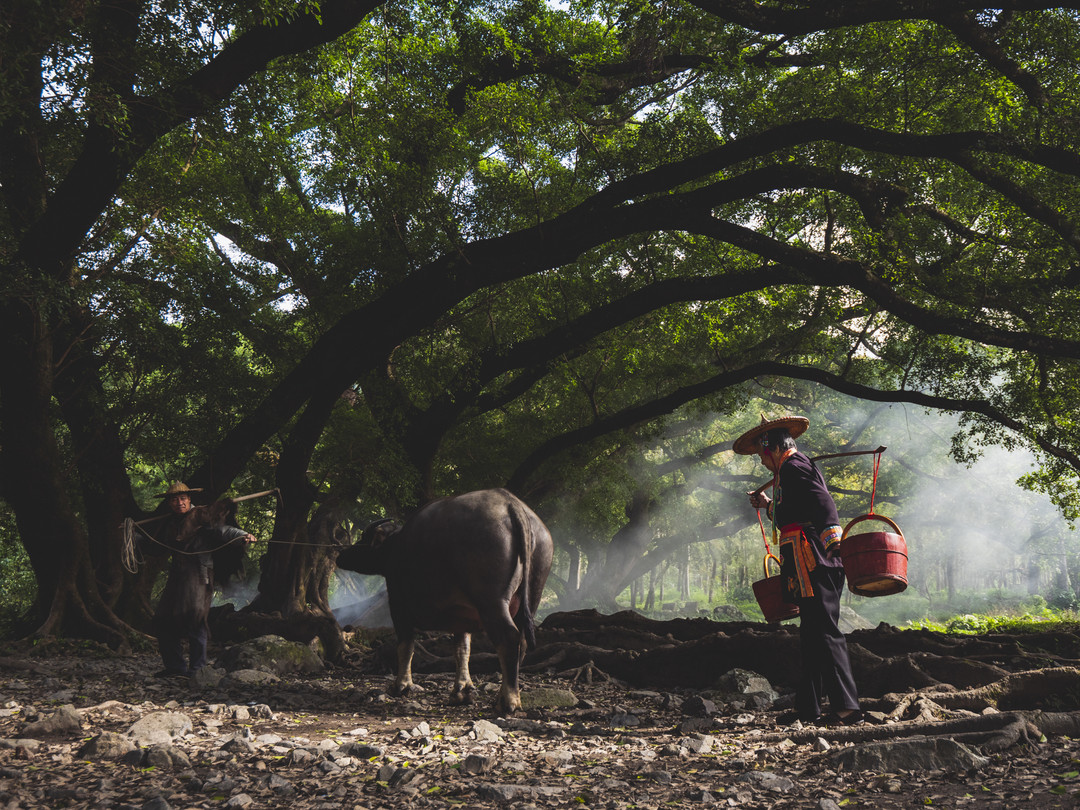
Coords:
192,535
813,575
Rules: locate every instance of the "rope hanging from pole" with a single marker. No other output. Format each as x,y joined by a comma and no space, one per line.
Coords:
877,466
129,551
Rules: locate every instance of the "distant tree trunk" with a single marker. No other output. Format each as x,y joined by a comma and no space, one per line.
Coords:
1034,577
625,550
300,559
950,576
1066,578
712,575
684,574
650,600
573,576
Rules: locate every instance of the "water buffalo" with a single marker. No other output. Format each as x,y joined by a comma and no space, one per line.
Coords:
462,564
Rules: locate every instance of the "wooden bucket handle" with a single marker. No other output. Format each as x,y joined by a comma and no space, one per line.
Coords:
861,518
765,563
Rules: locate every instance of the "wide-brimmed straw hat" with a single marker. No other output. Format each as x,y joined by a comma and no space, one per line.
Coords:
747,444
177,488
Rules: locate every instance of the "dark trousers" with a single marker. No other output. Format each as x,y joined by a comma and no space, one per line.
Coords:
826,669
171,647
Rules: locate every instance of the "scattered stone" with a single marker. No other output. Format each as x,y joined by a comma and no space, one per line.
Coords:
477,764
66,718
508,793
272,654
167,758
695,725
238,745
768,781
279,785
624,720
913,754
744,682
252,677
299,756
486,731
697,706
160,727
134,758
207,677
362,751
661,777
421,729
548,698
106,745
697,743
556,759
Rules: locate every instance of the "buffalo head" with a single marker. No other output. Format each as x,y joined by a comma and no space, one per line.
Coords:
369,554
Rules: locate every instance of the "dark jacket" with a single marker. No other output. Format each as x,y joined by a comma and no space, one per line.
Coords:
189,589
804,498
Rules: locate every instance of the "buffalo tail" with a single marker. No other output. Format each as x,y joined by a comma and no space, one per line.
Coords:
524,538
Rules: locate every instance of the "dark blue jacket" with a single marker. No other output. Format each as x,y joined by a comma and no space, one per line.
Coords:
804,498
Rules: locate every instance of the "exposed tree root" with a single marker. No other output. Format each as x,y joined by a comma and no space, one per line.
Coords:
1020,690
565,654
586,672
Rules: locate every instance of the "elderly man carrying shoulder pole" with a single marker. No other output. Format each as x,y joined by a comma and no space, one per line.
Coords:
812,573
192,535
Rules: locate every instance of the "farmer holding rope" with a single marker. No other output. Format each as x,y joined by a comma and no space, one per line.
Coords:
812,573
192,534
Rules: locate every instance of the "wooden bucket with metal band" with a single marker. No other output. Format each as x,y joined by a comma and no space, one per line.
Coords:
770,595
875,563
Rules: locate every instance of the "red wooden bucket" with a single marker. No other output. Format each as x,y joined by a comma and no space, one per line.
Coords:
875,562
770,596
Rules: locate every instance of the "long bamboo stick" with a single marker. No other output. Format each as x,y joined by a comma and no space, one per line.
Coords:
769,483
238,499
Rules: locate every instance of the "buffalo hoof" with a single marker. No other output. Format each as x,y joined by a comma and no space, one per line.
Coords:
463,698
401,690
507,708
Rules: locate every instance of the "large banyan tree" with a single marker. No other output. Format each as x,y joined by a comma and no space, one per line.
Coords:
366,252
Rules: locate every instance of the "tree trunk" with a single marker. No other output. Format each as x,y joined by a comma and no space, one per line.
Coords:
300,560
684,574
1066,579
35,486
106,488
625,550
573,575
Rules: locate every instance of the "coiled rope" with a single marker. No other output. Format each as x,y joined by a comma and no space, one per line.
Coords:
131,559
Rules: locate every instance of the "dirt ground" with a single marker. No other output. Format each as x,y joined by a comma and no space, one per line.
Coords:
338,740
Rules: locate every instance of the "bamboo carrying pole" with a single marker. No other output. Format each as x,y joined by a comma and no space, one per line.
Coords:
235,500
769,483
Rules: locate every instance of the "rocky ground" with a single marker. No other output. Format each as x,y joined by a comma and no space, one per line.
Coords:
86,729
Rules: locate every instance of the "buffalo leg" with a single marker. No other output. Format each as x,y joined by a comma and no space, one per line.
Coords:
508,643
404,683
463,685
